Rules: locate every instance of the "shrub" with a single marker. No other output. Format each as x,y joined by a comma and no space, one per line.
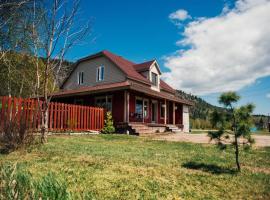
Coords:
15,135
108,127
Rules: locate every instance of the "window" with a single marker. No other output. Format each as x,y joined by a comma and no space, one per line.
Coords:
139,108
78,101
162,110
145,109
80,78
100,73
154,78
104,102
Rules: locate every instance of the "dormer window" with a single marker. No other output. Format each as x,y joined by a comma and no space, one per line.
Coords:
80,78
154,77
100,73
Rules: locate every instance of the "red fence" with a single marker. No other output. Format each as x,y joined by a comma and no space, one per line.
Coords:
61,116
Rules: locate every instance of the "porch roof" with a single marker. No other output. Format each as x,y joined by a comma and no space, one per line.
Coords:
121,86
161,94
90,89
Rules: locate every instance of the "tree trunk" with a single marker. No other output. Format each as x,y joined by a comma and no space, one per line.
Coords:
235,141
44,127
237,153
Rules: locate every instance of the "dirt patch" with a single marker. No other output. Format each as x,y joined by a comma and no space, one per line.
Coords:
260,140
257,169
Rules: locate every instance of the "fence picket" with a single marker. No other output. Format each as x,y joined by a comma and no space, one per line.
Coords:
61,116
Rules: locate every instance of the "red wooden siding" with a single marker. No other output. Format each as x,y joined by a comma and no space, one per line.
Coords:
61,116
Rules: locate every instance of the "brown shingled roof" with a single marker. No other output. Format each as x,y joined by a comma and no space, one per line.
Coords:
88,89
165,86
131,69
143,66
126,66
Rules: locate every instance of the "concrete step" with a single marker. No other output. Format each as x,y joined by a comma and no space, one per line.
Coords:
177,131
137,125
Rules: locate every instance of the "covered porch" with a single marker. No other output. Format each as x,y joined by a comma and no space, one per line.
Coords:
131,107
151,110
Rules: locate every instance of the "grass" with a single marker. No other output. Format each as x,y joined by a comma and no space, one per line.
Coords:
129,167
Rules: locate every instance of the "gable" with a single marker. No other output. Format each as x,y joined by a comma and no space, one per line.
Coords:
112,73
155,68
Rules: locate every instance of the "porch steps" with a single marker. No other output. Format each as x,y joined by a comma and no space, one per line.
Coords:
152,129
141,129
174,129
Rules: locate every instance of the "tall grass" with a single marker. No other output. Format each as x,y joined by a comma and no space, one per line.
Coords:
19,184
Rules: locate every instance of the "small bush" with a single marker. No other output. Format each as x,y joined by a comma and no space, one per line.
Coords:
108,127
18,184
14,136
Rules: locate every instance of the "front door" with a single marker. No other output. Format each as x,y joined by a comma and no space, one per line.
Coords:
154,112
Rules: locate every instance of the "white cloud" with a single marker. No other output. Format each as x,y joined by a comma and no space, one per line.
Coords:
179,15
268,95
222,53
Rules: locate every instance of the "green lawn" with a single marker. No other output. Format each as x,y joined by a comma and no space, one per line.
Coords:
129,167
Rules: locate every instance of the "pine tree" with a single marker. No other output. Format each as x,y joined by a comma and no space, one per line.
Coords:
108,127
240,120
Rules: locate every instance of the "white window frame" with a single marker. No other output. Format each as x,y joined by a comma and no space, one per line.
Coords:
141,99
79,81
152,79
143,105
162,108
146,116
98,74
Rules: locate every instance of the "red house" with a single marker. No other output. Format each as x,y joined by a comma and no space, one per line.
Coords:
139,100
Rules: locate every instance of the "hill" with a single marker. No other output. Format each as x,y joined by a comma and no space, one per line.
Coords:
201,109
200,113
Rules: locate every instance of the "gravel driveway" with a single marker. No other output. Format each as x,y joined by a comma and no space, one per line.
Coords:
260,140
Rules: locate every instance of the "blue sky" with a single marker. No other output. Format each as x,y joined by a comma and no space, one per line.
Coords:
141,30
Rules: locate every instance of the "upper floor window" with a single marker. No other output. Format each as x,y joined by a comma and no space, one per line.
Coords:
154,78
80,78
100,73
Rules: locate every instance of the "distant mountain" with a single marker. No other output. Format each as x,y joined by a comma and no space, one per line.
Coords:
201,109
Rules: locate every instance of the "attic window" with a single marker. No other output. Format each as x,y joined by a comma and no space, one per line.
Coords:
80,78
100,73
154,78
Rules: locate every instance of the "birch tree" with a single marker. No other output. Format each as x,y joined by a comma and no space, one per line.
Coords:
54,33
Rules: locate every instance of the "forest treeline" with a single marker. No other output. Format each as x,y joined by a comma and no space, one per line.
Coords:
200,113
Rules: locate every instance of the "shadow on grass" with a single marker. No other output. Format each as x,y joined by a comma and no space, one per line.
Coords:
211,168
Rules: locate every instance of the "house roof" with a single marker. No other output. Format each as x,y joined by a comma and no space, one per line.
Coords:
143,66
129,68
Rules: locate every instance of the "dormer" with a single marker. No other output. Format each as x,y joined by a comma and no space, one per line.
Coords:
151,71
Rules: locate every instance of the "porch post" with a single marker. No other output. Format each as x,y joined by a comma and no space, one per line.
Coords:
165,112
127,107
173,113
143,110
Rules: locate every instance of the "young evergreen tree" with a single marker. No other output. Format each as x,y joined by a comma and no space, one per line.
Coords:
240,121
108,127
